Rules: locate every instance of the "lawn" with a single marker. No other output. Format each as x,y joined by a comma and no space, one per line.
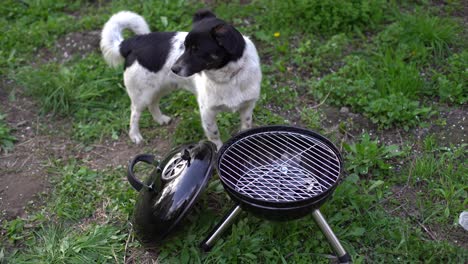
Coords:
385,81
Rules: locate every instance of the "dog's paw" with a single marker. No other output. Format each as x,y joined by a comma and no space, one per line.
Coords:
163,120
136,138
245,127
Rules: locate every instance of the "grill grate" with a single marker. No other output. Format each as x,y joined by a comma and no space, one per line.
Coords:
279,166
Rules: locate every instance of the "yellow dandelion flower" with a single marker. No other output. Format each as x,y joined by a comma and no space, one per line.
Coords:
277,34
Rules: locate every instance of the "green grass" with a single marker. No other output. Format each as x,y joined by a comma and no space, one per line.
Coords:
452,86
441,171
293,16
355,212
57,244
392,67
420,37
6,139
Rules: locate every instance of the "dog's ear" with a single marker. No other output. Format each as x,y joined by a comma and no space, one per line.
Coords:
229,38
202,14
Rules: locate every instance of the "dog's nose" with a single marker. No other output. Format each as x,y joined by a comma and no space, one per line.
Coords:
176,69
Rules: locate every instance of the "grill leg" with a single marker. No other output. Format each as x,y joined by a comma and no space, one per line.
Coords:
343,257
227,221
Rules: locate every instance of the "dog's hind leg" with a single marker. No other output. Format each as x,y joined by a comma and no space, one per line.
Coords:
134,133
156,112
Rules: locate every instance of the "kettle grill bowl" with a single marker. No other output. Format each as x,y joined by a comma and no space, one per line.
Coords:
279,172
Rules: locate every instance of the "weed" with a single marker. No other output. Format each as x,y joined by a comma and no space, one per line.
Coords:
71,88
14,229
38,23
387,83
316,16
56,244
310,54
311,118
6,139
368,158
395,76
396,109
441,170
420,37
387,95
452,87
189,130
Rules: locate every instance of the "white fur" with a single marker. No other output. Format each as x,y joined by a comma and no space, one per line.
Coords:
111,35
235,87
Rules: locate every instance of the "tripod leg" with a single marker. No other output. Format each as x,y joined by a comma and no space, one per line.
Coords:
227,221
343,257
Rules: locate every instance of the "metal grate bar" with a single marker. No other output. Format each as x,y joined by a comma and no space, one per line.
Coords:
302,139
250,168
305,158
323,146
240,175
296,182
254,180
276,164
335,158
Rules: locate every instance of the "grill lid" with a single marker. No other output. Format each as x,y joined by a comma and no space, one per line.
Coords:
171,190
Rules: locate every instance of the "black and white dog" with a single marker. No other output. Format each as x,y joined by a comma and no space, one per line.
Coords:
214,61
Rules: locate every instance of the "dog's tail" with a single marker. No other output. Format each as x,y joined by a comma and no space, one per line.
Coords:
111,35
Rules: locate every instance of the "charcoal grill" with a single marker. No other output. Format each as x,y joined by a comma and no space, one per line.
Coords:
274,172
279,173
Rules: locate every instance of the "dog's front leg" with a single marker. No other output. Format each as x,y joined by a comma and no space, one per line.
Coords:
246,115
134,133
210,127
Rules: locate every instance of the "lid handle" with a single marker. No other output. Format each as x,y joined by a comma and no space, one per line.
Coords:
134,181
186,156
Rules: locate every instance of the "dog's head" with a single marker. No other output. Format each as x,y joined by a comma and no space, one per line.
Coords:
211,44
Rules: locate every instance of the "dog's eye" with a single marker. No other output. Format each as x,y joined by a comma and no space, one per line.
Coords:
214,56
194,48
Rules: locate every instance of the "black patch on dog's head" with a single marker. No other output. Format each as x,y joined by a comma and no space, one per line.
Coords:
150,50
229,38
201,14
211,44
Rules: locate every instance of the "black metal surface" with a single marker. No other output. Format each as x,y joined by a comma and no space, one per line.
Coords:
164,201
132,179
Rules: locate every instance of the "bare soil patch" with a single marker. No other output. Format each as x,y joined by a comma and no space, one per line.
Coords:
73,44
23,170
408,207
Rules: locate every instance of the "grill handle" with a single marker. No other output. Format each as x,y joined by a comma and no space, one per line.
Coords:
225,223
132,179
343,257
